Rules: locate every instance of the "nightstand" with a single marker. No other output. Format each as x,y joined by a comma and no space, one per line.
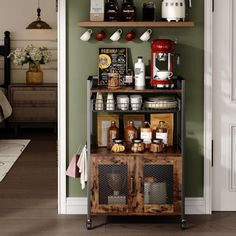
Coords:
33,103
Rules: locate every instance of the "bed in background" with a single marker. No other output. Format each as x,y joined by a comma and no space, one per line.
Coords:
5,107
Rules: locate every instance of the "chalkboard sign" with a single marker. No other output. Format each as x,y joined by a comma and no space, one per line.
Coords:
110,60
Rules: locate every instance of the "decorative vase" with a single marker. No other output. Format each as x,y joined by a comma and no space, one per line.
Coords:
34,75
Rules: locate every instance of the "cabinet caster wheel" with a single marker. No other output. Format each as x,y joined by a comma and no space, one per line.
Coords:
183,224
89,224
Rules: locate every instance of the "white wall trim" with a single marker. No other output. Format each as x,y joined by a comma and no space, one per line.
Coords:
208,106
76,205
79,206
62,107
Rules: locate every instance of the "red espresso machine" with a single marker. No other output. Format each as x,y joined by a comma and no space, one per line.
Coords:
162,59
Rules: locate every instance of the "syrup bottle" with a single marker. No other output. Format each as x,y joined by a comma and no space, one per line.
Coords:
128,12
111,10
112,133
130,133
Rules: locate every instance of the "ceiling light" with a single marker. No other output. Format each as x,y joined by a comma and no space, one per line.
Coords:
38,24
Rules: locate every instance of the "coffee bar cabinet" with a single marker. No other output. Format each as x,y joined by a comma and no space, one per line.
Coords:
136,184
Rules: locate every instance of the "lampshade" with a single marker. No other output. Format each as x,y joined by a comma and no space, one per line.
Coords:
38,24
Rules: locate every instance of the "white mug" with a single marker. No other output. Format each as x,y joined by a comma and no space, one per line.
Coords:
123,102
86,35
146,35
116,36
99,102
110,102
164,74
136,102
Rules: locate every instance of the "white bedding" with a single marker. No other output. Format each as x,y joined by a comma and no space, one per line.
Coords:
5,107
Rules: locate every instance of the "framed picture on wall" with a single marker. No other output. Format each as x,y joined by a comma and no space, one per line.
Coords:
138,120
169,120
110,60
103,123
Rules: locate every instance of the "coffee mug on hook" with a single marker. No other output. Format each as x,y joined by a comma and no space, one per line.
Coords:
86,35
146,35
116,36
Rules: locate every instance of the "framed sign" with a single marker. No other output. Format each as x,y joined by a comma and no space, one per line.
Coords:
138,120
169,120
103,123
110,60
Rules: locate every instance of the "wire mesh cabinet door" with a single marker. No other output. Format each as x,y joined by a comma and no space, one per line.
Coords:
162,185
109,185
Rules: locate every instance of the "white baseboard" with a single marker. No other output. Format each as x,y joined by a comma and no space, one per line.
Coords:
195,206
76,205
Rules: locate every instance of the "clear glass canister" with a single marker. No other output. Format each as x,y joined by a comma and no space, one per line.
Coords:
157,145
118,146
137,146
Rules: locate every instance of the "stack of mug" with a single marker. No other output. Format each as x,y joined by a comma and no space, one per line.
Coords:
124,102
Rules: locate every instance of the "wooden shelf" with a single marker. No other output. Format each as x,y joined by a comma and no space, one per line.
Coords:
170,152
136,24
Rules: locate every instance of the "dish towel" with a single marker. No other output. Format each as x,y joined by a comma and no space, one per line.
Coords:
73,170
82,165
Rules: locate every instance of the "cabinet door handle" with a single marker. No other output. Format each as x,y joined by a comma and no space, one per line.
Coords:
132,184
140,184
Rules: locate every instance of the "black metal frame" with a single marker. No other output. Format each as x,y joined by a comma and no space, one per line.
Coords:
180,118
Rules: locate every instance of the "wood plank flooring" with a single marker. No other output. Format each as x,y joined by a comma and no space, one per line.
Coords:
28,204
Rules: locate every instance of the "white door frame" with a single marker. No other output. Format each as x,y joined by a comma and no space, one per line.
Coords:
207,198
61,19
208,105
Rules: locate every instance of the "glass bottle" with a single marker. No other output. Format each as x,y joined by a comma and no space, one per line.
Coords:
111,10
148,11
146,135
130,133
112,133
161,132
128,12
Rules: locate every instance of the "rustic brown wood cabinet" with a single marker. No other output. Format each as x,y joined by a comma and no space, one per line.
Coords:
136,184
136,173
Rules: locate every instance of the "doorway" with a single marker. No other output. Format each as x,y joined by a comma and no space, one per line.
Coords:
224,106
32,181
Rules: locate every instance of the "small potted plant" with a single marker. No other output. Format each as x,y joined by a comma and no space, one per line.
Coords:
34,56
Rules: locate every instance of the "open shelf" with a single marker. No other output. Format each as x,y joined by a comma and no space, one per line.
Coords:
104,89
136,24
170,152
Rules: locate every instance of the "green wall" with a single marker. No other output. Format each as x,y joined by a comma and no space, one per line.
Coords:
82,62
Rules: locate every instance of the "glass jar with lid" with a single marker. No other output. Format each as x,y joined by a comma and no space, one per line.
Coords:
118,146
137,146
157,145
149,11
113,79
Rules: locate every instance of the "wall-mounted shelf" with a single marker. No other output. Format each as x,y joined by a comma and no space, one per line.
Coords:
136,24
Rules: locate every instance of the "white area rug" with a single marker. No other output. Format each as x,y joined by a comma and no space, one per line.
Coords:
10,150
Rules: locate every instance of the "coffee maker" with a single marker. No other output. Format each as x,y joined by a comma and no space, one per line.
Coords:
162,59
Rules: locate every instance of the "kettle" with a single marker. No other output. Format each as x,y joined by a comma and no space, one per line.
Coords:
174,10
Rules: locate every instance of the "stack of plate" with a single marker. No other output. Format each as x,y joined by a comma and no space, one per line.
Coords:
162,102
